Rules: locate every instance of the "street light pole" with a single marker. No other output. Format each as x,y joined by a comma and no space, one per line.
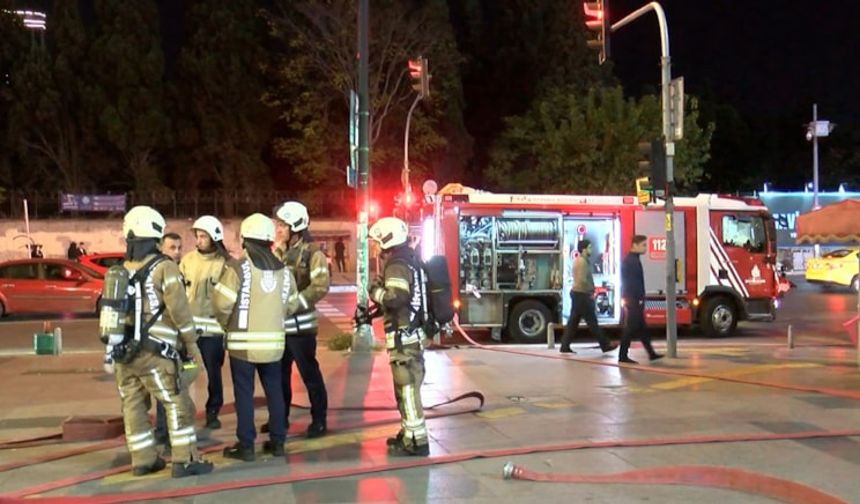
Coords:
362,338
668,139
814,156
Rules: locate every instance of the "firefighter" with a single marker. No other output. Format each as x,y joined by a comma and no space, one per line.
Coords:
308,265
401,294
157,328
251,301
202,268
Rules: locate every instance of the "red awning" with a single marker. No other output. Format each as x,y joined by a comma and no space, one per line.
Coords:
836,223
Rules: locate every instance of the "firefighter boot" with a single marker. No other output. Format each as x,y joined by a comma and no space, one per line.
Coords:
276,448
156,466
240,451
212,421
192,468
402,449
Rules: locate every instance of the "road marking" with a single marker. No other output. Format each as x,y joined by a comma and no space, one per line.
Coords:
695,380
335,315
497,413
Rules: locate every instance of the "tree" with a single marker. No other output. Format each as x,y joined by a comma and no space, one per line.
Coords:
317,72
566,143
221,124
46,116
12,46
125,90
515,52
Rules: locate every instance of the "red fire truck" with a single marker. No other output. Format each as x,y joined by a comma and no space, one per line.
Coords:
510,258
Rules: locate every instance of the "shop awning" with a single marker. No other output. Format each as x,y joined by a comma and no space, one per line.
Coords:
836,223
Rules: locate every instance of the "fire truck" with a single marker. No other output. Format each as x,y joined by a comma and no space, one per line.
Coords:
510,258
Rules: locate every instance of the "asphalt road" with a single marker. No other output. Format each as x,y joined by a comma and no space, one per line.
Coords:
815,314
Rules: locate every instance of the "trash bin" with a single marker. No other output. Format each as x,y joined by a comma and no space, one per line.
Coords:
43,343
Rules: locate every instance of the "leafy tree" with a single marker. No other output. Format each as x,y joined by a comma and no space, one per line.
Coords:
567,143
125,89
516,51
12,46
46,115
317,72
221,124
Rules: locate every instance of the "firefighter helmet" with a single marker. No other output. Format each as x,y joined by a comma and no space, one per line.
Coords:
143,222
259,227
211,225
294,214
389,232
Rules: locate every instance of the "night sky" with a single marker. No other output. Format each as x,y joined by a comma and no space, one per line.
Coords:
772,57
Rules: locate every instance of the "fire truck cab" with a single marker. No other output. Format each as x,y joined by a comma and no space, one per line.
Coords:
510,258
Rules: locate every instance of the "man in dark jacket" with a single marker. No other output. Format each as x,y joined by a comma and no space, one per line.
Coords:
633,294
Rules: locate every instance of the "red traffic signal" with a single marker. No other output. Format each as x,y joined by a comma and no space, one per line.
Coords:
419,72
597,20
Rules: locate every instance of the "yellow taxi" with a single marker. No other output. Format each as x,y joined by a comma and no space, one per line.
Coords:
838,267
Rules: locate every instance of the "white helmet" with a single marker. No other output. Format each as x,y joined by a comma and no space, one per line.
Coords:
294,214
144,222
258,227
389,232
211,225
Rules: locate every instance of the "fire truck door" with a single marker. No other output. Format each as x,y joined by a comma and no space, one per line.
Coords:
744,240
604,234
651,223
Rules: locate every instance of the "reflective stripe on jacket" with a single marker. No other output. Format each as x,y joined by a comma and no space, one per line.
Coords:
175,324
252,304
309,267
202,272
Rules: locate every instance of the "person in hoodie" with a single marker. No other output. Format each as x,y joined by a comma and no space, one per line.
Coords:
252,300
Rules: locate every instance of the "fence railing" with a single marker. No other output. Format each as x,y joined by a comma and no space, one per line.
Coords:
221,203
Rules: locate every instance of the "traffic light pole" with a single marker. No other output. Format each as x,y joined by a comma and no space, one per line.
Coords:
666,79
404,176
362,338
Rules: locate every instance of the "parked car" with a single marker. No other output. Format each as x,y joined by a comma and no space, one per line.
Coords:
838,267
101,262
48,286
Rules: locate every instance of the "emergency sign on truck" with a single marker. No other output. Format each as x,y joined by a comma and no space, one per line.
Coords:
510,258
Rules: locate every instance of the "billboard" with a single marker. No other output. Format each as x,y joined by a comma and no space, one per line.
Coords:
92,202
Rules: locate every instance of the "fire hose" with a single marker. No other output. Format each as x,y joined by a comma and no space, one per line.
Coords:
721,477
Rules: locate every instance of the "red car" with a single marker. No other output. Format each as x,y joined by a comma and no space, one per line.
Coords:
48,286
101,262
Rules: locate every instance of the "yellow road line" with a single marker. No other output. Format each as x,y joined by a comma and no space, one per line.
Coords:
694,380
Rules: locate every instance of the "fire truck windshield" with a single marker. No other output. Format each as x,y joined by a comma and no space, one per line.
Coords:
747,232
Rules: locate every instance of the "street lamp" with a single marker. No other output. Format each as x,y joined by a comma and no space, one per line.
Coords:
814,130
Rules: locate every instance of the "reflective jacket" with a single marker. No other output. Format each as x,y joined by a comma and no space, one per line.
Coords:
251,304
202,272
308,265
400,293
164,286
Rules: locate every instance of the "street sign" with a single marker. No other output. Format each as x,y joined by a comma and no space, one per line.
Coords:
676,94
352,167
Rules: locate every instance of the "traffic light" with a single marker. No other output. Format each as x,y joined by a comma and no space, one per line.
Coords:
597,22
419,71
652,163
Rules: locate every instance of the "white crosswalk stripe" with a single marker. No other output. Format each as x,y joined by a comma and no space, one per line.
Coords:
336,316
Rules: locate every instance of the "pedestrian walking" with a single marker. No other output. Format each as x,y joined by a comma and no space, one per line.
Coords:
582,300
633,295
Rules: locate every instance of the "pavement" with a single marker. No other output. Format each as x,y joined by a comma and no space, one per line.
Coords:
759,407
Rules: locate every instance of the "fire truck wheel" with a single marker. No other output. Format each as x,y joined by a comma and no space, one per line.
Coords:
719,318
528,321
855,283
